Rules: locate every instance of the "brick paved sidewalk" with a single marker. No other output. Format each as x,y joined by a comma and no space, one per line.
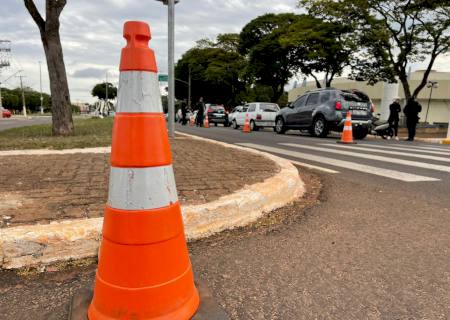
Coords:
39,189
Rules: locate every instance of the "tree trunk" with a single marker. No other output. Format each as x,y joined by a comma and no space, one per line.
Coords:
62,123
406,88
277,93
49,29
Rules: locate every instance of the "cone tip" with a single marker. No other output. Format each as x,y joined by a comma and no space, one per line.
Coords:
137,55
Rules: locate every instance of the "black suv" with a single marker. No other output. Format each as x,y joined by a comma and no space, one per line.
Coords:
323,110
217,114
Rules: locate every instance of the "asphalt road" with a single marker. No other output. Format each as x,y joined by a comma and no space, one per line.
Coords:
362,244
18,121
376,246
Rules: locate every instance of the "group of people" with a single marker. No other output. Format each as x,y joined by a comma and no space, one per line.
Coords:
411,111
199,106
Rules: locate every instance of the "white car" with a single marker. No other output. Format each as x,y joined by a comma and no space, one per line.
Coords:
260,114
234,112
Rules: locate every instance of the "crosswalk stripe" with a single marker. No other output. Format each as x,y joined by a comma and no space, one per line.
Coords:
387,173
417,164
310,166
406,149
433,148
398,153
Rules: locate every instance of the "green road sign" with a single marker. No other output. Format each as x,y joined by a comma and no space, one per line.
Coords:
163,78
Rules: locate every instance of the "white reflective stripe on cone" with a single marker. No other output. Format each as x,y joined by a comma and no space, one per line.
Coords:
348,128
141,188
139,92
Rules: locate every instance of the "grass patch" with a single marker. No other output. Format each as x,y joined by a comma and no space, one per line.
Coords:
93,132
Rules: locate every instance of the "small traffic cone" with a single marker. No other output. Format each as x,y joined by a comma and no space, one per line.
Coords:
347,133
144,270
246,128
206,122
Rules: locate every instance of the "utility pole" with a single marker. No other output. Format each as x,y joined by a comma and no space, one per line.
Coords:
171,27
5,52
40,86
189,88
24,107
106,99
4,81
171,45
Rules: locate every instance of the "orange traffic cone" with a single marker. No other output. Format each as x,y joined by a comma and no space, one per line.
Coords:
206,122
144,270
246,128
347,133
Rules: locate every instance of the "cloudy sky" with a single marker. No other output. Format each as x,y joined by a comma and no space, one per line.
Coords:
91,32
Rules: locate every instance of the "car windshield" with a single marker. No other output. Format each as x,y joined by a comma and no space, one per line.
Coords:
268,107
217,108
356,96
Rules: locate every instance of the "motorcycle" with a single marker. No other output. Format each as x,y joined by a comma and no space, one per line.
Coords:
381,127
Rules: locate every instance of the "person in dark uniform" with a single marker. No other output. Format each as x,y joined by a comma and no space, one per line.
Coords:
411,111
200,112
394,118
183,112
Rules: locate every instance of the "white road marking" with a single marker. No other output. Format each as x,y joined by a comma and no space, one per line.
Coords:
387,173
406,149
410,163
310,166
398,153
433,148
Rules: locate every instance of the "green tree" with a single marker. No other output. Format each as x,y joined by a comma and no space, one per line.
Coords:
391,34
12,99
215,75
99,91
320,46
269,62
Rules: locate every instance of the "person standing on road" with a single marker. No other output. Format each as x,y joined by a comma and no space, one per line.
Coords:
394,118
200,112
411,111
183,112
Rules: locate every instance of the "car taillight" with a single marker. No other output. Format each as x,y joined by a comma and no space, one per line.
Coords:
258,117
210,110
372,108
338,105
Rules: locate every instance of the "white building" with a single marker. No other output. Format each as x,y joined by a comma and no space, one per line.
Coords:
383,93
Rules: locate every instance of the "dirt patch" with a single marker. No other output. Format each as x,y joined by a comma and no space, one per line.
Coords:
44,188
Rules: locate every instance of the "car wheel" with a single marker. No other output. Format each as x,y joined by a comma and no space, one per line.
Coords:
234,124
320,127
279,126
359,133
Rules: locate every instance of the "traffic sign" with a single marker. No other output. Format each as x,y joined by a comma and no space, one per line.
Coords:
163,78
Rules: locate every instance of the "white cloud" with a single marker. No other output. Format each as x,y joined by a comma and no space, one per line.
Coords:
91,33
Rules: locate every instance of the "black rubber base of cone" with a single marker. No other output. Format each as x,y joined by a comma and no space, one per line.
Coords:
209,309
339,141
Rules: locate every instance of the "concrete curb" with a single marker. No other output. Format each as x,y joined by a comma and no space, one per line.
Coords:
44,152
40,245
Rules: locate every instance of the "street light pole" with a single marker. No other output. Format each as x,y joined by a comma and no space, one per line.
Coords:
24,107
40,85
431,85
171,36
189,88
171,72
